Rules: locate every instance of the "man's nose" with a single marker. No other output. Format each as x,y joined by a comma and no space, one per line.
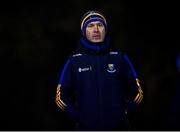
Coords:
96,28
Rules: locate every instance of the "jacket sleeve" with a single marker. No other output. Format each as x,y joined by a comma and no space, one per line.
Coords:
65,92
134,90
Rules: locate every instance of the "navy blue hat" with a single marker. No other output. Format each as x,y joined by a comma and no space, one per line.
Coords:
91,16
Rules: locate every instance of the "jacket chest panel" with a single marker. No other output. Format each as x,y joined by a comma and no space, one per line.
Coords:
94,65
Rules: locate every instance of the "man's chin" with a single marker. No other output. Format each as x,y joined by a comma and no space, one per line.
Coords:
97,41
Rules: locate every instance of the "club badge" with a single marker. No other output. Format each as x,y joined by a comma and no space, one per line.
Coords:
111,68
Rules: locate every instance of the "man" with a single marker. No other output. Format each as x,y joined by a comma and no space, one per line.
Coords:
98,86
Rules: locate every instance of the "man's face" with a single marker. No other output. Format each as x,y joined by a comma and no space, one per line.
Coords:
95,32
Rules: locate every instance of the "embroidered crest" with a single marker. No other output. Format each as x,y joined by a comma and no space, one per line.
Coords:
111,68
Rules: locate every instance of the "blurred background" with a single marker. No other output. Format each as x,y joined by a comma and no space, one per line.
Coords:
36,40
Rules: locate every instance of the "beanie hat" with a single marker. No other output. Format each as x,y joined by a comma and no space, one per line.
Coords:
91,16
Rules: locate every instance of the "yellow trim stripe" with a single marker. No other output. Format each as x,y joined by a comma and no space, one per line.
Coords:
62,108
82,23
58,100
136,97
139,100
139,97
139,86
61,104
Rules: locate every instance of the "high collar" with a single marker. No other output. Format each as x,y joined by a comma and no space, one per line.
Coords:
97,48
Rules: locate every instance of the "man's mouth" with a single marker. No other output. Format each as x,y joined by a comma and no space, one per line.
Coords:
97,36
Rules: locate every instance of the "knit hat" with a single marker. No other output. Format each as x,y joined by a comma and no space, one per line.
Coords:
91,16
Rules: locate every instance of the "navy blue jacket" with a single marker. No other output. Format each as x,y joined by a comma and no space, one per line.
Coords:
98,87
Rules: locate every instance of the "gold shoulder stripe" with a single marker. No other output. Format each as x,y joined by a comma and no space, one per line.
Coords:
139,97
139,86
136,97
58,100
60,106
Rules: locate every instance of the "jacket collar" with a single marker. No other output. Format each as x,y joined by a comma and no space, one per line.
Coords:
87,46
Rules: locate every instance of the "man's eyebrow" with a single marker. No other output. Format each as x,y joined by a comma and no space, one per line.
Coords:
90,24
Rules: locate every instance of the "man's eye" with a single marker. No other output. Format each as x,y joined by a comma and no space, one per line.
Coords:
90,25
100,24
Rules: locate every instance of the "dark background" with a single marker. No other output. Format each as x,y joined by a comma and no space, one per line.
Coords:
36,40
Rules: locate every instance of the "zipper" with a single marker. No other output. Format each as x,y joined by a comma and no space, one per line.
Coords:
99,90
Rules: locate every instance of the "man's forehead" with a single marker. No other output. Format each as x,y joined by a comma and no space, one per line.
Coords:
95,22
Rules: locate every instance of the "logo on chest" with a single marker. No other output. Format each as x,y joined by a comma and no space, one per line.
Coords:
84,69
111,68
